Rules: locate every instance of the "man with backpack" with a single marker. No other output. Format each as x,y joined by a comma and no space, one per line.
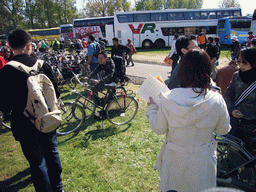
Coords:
118,54
39,148
93,51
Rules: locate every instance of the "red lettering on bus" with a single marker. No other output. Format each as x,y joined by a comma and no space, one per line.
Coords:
135,31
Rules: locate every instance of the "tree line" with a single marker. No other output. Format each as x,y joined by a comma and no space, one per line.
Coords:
39,14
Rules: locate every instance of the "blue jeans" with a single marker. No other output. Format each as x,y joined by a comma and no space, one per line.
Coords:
92,67
43,157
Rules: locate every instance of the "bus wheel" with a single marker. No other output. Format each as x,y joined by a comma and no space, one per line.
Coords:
159,43
147,44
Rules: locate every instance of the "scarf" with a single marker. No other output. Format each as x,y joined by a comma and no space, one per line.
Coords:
248,77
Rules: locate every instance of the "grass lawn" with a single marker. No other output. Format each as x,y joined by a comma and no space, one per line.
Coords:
112,158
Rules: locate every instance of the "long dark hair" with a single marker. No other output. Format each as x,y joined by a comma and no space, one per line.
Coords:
195,71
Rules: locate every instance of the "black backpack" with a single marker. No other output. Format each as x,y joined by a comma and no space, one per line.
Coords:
97,50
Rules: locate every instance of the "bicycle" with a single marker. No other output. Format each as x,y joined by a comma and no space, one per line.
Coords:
5,119
118,109
236,166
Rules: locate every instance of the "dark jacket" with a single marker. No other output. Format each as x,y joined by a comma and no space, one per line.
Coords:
120,50
212,50
14,87
107,72
235,89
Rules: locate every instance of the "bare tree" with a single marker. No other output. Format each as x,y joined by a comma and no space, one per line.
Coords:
229,3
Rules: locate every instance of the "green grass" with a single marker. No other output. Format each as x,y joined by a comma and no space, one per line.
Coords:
112,158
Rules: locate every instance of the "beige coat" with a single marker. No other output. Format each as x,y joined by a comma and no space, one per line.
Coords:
187,159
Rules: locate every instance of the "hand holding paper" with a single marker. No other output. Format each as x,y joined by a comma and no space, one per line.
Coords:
152,88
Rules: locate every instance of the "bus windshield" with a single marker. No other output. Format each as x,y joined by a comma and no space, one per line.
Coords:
240,25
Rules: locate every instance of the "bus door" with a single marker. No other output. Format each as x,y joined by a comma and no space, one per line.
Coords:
223,31
109,34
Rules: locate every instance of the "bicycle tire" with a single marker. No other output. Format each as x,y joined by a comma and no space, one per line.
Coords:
229,56
72,118
72,83
7,124
122,109
230,156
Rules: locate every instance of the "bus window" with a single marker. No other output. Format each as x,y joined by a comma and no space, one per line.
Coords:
212,15
196,15
158,17
189,30
240,25
226,14
188,16
211,29
175,16
192,15
219,15
204,15
237,14
221,24
125,18
169,31
141,17
66,29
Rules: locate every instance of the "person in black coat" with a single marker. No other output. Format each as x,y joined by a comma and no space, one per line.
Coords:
38,148
118,54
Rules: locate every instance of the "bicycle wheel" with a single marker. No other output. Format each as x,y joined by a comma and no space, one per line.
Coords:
231,156
6,120
229,55
7,124
122,109
72,83
72,118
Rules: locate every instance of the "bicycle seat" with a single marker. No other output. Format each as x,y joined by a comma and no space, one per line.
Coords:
111,85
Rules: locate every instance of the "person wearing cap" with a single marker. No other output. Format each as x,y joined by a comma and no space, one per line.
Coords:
235,47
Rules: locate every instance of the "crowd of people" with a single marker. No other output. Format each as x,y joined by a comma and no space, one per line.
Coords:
189,114
192,111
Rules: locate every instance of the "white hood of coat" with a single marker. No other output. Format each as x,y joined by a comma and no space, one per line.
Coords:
187,107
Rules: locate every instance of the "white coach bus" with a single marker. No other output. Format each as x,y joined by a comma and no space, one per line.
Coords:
148,28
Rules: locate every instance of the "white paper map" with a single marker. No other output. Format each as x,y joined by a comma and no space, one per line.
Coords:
151,87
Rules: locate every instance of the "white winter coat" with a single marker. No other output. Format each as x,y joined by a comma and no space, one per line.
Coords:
187,159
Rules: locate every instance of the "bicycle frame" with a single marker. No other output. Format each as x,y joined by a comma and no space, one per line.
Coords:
250,163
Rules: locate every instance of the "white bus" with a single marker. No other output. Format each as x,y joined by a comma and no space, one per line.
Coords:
148,28
98,27
253,25
66,31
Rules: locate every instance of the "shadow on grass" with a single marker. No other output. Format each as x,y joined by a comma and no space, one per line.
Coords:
4,130
14,183
100,131
104,133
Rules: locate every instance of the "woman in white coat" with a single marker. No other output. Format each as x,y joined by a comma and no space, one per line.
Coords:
189,115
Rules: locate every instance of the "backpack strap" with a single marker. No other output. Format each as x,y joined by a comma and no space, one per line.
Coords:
29,70
246,93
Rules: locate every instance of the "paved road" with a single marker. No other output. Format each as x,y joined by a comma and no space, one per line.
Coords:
143,70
